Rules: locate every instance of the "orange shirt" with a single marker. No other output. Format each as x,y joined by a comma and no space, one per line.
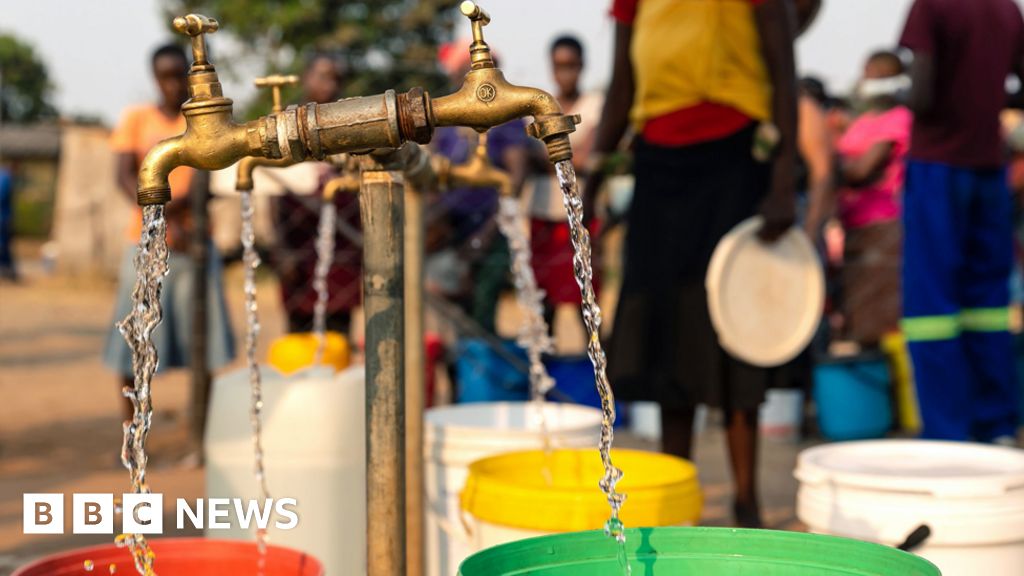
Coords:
141,128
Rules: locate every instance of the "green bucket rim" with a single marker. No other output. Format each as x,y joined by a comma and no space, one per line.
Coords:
827,555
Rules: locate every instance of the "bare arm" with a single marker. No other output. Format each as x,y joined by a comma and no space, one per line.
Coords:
776,24
619,100
816,150
517,161
867,167
614,117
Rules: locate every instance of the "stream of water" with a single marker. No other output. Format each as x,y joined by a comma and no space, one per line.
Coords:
534,336
324,259
137,329
583,270
251,261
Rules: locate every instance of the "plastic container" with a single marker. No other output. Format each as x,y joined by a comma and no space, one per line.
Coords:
852,396
314,451
782,414
525,494
179,557
971,496
456,436
574,381
293,352
484,376
697,551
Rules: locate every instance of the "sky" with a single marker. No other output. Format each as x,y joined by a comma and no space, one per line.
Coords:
100,64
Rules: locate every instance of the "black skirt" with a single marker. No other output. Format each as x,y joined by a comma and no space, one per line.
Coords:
663,347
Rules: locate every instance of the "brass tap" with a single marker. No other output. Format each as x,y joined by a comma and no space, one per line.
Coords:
486,99
347,182
246,165
212,139
477,171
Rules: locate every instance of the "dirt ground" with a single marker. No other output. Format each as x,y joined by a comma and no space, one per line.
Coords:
60,423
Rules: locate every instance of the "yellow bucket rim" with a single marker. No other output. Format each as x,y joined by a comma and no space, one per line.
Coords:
511,490
293,352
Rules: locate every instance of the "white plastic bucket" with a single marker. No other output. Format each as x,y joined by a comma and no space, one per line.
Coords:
782,414
971,496
314,451
456,436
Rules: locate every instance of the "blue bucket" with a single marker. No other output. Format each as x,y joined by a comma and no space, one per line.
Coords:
853,398
1018,346
484,376
574,383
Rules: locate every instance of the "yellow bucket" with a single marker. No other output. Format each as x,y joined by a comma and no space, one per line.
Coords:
535,492
293,352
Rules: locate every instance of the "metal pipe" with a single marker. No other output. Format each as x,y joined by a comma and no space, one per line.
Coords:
381,207
415,367
200,250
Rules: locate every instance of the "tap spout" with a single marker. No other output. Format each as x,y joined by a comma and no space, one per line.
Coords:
479,172
212,139
486,99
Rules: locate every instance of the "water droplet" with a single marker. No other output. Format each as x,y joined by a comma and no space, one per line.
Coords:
88,565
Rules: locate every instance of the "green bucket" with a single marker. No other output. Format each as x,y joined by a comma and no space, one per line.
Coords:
696,551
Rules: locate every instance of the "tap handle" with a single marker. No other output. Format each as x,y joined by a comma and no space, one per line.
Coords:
474,12
479,52
275,82
196,26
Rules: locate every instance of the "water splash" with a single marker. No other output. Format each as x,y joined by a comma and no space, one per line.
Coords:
324,259
534,335
251,261
137,329
583,271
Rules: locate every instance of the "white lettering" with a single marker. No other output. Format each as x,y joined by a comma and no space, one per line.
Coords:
217,508
183,509
284,512
253,509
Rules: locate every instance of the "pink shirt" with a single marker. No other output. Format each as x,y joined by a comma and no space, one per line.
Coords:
879,201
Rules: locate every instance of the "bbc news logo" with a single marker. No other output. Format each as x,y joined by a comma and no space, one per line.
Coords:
143,513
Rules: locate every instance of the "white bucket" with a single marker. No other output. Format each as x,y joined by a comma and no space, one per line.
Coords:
314,451
971,496
782,414
456,436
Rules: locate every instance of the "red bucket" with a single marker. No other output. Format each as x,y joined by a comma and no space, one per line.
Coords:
179,557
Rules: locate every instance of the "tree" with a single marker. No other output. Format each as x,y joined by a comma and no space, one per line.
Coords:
25,88
383,43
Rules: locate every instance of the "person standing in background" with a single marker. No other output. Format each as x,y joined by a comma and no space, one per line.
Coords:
958,217
296,218
140,129
7,270
549,229
871,163
468,213
698,79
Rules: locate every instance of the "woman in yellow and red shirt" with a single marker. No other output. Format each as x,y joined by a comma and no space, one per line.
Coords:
696,78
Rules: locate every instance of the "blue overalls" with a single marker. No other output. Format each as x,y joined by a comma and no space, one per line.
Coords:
958,255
